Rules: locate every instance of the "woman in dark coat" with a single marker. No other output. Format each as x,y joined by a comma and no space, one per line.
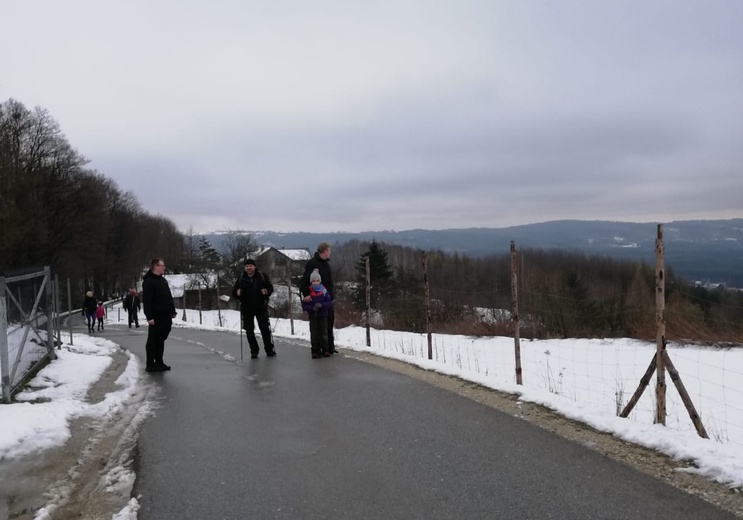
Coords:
89,306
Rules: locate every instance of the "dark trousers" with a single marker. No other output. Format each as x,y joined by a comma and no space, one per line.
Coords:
90,317
133,317
250,316
331,321
156,336
318,334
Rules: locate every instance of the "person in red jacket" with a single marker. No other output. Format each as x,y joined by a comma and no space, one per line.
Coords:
100,312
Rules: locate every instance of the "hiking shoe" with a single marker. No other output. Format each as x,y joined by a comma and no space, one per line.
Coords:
271,354
156,368
253,356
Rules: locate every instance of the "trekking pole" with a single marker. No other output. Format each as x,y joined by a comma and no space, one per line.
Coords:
241,336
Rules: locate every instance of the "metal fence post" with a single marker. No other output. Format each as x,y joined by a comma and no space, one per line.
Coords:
4,358
49,314
69,310
57,309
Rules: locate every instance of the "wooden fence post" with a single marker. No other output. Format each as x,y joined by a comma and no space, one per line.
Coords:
515,314
660,330
289,298
200,320
661,359
368,301
219,307
427,306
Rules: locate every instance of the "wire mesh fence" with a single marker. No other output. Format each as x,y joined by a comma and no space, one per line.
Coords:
27,327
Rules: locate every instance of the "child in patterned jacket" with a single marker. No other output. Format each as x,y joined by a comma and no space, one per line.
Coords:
317,310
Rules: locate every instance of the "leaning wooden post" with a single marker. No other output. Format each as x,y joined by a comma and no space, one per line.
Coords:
428,307
515,314
660,328
644,382
676,378
368,301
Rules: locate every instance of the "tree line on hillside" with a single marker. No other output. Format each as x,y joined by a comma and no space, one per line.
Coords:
57,212
561,294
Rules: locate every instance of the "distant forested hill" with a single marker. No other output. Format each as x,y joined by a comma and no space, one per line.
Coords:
704,250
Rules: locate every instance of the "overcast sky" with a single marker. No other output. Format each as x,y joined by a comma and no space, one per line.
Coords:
289,115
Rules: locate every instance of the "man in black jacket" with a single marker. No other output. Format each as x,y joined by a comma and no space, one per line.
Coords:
131,306
254,289
321,263
159,310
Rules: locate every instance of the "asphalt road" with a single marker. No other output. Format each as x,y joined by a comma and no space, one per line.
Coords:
295,438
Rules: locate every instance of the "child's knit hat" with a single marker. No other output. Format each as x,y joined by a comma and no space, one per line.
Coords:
315,277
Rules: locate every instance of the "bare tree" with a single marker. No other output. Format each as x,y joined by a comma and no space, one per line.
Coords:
236,246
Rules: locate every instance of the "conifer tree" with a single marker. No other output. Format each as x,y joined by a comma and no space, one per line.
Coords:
380,276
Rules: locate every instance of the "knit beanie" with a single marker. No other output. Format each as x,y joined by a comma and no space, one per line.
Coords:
315,277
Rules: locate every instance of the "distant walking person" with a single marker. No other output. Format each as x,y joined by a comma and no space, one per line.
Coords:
317,311
254,289
159,310
321,263
90,304
131,306
100,313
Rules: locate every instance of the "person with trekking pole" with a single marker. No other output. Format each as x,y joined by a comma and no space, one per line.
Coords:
254,289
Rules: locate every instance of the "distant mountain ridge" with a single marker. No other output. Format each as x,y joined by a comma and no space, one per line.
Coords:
704,250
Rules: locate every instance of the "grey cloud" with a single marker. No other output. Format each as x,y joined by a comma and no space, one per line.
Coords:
399,115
